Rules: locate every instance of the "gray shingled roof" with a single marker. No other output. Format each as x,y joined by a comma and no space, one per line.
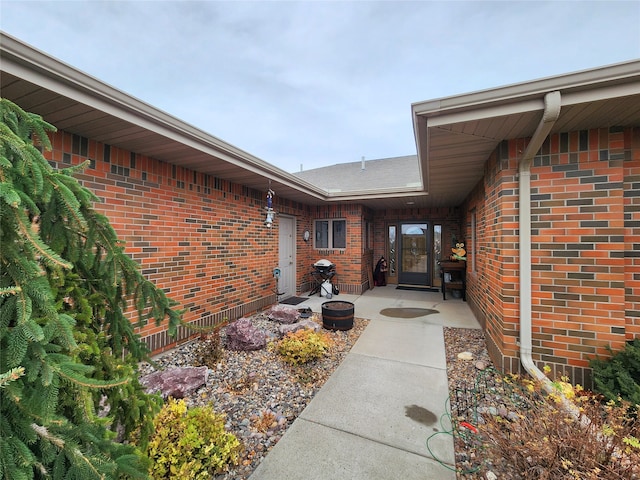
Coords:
396,172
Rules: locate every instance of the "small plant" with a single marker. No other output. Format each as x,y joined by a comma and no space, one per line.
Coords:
209,351
303,346
242,383
265,421
190,443
544,441
307,374
619,376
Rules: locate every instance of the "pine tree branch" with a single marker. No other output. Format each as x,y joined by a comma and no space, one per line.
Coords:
11,375
36,243
13,290
64,372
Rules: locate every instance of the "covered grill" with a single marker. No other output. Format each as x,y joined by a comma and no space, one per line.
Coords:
323,272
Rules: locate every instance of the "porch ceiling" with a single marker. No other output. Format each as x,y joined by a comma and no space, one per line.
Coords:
456,135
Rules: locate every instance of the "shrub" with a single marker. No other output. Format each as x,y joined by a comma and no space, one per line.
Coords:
619,376
303,346
68,347
190,443
544,441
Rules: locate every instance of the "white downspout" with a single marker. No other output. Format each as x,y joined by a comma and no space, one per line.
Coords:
549,117
551,113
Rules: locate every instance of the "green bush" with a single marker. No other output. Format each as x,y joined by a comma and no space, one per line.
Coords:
303,346
190,443
68,346
619,376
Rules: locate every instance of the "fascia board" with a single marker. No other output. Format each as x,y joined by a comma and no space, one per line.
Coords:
599,94
360,196
492,111
592,78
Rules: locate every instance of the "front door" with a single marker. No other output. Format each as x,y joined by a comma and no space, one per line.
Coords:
413,254
286,249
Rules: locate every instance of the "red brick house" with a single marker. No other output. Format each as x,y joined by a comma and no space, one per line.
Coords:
191,207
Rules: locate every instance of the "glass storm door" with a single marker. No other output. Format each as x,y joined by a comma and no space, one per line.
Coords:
413,249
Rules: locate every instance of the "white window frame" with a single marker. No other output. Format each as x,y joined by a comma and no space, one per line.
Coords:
330,244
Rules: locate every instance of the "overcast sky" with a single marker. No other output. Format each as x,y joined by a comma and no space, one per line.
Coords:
319,83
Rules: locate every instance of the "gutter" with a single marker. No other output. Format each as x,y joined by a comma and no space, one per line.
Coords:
551,113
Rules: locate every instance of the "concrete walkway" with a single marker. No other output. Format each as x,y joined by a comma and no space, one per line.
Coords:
372,418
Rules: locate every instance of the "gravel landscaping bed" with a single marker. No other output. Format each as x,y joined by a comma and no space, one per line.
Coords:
262,396
473,389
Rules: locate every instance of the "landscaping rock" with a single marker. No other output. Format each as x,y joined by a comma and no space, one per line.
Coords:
284,314
481,365
294,327
465,356
177,382
242,335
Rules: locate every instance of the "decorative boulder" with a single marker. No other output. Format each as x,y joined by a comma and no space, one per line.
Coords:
243,335
176,382
284,314
294,327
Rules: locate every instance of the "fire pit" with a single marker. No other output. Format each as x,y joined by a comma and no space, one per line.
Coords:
337,315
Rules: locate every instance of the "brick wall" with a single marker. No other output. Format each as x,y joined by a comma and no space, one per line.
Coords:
632,231
199,238
348,261
585,287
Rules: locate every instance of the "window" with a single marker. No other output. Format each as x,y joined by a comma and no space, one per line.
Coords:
437,253
330,234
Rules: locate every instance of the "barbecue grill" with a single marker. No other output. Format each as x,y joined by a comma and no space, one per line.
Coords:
323,272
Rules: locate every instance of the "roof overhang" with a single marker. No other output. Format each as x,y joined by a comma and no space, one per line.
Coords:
81,104
456,135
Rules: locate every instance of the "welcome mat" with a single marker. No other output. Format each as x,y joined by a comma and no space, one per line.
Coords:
416,288
293,300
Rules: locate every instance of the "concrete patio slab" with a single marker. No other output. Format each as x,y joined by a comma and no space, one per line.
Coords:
394,403
411,341
314,452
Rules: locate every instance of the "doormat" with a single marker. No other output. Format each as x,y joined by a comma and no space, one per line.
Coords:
293,300
417,288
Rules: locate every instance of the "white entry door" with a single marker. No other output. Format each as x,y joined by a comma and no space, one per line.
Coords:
287,249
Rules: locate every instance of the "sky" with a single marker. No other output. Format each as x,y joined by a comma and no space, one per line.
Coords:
303,85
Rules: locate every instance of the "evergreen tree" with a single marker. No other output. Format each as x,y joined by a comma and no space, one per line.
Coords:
68,352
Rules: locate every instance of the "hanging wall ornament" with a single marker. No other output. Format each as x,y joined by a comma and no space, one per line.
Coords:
271,213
